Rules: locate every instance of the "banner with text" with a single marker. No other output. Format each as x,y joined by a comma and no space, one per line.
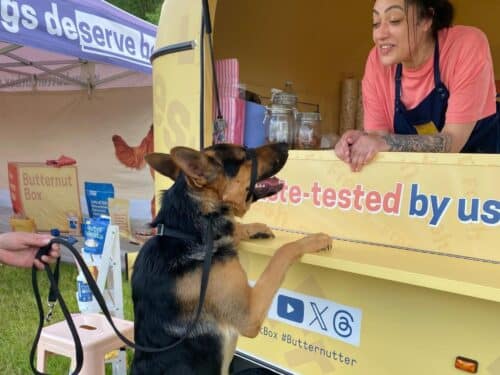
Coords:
48,195
93,30
440,203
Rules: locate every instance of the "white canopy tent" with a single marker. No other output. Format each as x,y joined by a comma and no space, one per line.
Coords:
73,74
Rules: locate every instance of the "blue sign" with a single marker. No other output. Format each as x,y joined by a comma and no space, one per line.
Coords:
290,308
319,315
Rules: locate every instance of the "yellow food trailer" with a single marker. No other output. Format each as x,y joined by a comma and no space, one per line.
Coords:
412,285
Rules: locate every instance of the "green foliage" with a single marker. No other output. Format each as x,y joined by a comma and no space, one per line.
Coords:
148,10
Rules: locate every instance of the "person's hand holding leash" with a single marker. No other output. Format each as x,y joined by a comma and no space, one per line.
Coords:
19,249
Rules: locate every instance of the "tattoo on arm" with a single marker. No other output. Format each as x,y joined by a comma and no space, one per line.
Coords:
418,143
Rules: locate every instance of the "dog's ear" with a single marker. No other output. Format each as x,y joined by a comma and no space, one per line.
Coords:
163,164
195,165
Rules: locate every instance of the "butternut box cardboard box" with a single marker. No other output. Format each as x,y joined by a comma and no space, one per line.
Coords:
47,194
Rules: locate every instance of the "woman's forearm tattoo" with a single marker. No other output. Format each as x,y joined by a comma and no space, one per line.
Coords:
418,143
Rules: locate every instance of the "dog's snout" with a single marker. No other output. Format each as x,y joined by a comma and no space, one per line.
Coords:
271,158
281,153
280,150
283,147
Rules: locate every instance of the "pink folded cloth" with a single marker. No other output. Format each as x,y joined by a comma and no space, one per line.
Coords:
62,161
232,107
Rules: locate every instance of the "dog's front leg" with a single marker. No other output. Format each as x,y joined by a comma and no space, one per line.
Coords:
262,294
249,231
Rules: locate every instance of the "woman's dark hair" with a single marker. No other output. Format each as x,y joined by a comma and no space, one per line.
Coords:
440,11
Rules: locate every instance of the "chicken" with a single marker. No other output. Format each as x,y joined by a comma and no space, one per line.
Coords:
133,156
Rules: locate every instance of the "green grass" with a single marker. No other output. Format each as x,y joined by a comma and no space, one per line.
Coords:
19,317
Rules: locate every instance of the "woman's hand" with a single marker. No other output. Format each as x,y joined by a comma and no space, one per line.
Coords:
358,148
364,150
19,249
343,146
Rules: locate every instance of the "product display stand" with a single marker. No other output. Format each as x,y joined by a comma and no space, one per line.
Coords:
109,281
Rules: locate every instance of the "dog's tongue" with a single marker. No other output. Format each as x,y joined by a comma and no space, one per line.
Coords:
267,187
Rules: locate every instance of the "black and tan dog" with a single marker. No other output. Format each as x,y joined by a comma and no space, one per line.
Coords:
166,280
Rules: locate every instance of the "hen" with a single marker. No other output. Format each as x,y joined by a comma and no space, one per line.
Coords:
133,156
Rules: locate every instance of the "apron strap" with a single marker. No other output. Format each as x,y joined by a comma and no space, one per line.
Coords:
438,84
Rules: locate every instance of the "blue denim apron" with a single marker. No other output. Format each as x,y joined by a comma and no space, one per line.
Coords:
429,116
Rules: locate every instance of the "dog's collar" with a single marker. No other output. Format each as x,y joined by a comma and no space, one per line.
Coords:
251,155
162,230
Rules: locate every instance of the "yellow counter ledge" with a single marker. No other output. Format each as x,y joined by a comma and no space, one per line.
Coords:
413,158
464,277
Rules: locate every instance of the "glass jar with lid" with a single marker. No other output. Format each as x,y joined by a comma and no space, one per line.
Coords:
279,124
308,131
286,97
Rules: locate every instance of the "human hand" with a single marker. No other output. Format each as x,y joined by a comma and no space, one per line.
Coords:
19,249
343,146
364,150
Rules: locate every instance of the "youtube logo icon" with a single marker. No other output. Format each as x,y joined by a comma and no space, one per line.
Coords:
290,308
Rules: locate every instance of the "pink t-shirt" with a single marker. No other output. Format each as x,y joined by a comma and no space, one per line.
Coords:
466,69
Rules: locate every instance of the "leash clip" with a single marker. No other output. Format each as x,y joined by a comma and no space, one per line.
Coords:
50,312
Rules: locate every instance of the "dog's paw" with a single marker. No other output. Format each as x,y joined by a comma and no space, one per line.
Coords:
260,235
258,230
314,243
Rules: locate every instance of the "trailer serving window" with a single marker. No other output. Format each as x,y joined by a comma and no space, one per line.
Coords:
411,286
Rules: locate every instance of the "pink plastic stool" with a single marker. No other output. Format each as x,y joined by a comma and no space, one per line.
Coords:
96,335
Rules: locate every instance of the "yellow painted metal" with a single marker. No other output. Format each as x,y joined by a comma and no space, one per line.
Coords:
460,276
177,81
424,201
423,299
411,323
